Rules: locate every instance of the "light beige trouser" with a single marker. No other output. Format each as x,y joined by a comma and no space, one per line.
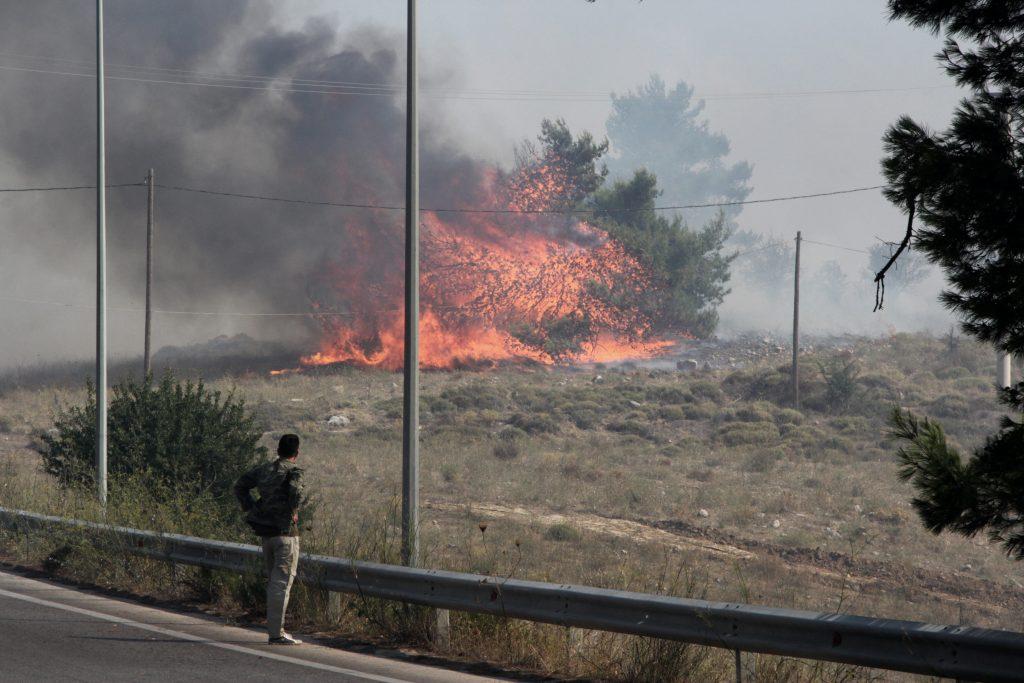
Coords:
281,554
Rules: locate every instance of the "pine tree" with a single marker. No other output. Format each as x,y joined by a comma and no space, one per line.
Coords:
966,187
664,131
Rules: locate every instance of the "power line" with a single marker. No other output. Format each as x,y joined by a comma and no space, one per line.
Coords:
836,246
741,254
361,91
215,314
399,87
67,187
314,87
396,207
226,314
316,314
399,207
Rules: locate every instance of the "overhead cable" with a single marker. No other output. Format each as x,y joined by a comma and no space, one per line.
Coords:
315,87
400,207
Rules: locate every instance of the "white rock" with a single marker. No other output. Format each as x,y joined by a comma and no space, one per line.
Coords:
703,513
776,524
338,421
635,404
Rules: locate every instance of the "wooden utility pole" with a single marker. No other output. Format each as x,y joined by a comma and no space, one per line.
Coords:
796,326
411,366
146,353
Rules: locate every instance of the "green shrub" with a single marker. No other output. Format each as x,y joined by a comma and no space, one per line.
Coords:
672,451
881,383
511,434
701,474
753,413
562,532
840,375
707,391
699,411
509,445
850,424
805,437
748,433
476,395
767,384
974,384
631,426
391,407
763,460
950,405
788,416
585,414
671,413
438,405
582,419
174,439
506,450
534,423
955,372
669,395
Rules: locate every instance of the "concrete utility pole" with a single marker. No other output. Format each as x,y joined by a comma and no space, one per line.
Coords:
101,268
411,394
146,364
796,325
1004,370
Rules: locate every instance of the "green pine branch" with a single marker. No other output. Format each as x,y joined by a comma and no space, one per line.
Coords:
983,493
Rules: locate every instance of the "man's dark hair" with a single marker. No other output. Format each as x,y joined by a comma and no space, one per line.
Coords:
288,446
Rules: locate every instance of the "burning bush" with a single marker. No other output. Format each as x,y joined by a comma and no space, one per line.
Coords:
531,279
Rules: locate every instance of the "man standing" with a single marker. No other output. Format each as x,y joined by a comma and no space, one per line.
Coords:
274,516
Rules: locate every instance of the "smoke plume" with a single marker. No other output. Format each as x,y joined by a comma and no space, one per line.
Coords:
256,137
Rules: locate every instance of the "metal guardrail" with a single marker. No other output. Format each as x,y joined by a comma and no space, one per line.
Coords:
960,652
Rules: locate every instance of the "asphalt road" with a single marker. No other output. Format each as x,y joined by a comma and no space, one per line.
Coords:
50,632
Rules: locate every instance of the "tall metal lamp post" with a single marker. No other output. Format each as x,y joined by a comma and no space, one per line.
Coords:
101,268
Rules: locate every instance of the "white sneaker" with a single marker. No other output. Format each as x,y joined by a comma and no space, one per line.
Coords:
284,639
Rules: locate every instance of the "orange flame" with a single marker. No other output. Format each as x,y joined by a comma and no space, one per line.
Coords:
532,287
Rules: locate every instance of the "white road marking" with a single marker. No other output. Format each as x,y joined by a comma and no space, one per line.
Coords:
205,641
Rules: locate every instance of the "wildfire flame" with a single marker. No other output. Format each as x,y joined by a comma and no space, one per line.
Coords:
494,288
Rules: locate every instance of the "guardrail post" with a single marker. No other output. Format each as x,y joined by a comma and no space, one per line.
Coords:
334,606
739,666
441,629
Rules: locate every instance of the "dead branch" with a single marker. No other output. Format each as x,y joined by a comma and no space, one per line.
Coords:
880,275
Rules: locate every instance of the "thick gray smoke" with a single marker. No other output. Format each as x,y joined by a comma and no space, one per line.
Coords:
229,254
213,253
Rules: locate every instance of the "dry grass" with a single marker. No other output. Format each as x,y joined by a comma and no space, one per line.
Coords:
599,477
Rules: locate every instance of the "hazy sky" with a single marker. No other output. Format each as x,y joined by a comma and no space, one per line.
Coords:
751,60
797,144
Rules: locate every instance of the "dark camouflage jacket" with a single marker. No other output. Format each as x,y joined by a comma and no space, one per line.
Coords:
280,485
